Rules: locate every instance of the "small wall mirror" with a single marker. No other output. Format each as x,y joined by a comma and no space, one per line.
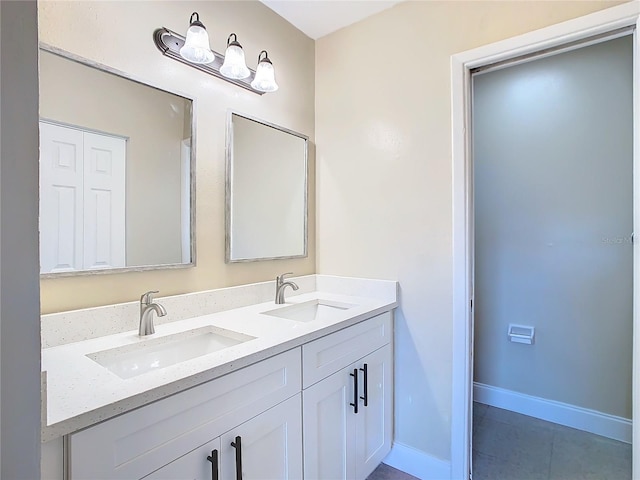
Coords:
116,164
266,191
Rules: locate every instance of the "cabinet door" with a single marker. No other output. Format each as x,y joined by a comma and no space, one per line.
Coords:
329,428
270,445
374,421
203,463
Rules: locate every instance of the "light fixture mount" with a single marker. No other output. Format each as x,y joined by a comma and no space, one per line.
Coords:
195,21
233,42
170,43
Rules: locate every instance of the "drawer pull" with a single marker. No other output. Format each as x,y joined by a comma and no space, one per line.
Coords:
366,386
238,446
213,458
355,390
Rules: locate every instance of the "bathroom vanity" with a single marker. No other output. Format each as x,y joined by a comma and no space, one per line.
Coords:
303,390
230,384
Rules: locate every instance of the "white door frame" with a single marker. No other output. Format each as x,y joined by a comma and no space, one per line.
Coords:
554,36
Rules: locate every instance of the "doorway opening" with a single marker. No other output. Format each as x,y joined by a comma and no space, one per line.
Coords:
562,35
552,145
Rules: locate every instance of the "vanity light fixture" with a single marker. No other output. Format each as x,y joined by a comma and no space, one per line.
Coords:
231,67
265,79
196,47
234,65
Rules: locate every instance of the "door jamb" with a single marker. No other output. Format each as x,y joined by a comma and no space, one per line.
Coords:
597,23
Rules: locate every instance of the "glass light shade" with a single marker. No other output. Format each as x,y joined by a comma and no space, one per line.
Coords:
196,47
265,79
234,65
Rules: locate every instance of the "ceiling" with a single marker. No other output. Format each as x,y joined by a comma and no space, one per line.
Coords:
317,18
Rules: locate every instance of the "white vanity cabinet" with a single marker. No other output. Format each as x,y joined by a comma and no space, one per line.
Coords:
347,415
249,400
319,411
203,463
267,446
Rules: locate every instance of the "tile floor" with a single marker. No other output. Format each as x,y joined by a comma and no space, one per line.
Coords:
510,446
385,472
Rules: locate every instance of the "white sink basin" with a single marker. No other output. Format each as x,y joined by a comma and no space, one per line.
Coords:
133,360
312,310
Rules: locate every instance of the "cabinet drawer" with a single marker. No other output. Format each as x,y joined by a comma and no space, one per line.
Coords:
329,354
139,442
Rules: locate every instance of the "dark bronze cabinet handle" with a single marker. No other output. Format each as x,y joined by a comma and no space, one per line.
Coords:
213,458
366,386
355,390
238,446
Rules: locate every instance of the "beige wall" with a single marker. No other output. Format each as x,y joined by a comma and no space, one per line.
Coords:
119,34
384,176
153,123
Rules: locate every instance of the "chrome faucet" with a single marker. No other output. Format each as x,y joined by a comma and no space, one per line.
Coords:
281,285
147,307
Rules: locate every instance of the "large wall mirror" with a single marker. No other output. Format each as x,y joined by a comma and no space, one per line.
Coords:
116,171
266,191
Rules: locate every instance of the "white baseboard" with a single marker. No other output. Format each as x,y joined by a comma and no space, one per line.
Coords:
417,463
592,421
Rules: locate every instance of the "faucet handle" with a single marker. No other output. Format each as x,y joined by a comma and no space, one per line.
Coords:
280,278
147,297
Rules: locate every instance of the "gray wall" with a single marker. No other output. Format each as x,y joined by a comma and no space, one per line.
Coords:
553,216
19,270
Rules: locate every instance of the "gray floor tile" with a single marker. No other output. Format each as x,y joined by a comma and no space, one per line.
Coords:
510,446
593,443
516,452
517,419
385,472
582,455
487,467
482,466
479,411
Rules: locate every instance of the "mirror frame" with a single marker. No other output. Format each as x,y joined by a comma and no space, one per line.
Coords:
227,189
192,164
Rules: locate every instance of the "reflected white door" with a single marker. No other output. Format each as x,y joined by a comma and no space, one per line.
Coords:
104,206
61,174
82,200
